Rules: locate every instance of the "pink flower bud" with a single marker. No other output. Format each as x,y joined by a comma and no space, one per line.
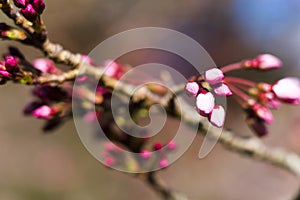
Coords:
5,73
223,90
21,3
157,146
46,66
163,163
29,13
214,76
263,113
44,111
288,90
38,6
88,60
90,117
109,161
205,103
217,116
192,88
172,145
145,154
11,63
268,61
113,69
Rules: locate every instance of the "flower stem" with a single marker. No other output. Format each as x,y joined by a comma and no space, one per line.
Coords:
240,81
231,67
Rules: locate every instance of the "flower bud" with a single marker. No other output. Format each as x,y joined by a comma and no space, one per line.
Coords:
46,66
217,116
287,90
11,63
223,90
213,76
38,6
145,154
268,61
205,103
29,13
163,163
45,112
21,3
192,88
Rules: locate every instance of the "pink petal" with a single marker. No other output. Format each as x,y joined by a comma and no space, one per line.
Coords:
268,61
192,88
223,90
288,90
43,112
163,163
46,66
145,154
217,116
205,103
172,145
113,69
4,73
213,76
263,113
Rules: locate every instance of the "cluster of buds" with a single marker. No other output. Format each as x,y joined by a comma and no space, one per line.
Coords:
257,99
12,70
201,88
31,9
113,155
53,103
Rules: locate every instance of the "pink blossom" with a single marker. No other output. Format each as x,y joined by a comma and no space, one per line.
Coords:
44,111
163,163
172,145
21,3
263,113
205,103
223,90
268,61
192,88
145,154
29,12
46,66
90,117
214,76
288,90
217,116
38,5
11,62
88,60
113,69
109,161
4,73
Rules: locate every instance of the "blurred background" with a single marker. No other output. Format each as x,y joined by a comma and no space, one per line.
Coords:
35,166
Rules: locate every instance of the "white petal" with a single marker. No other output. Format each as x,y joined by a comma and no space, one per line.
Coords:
223,90
217,116
213,76
205,102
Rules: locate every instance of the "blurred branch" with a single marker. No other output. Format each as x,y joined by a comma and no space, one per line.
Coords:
160,187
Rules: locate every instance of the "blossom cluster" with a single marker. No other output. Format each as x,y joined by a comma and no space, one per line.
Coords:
257,99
